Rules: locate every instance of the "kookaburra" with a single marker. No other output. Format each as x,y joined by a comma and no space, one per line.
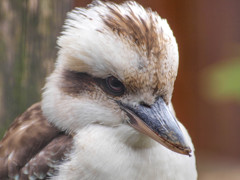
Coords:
106,111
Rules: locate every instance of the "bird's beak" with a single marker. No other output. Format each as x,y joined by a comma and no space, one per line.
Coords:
158,123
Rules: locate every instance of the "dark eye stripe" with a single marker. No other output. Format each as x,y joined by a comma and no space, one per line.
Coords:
75,83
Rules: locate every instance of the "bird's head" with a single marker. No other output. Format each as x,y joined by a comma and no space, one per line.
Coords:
116,66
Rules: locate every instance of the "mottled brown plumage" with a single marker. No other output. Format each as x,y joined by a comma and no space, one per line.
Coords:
32,146
142,33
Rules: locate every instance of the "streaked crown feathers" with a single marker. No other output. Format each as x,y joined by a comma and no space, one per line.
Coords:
132,43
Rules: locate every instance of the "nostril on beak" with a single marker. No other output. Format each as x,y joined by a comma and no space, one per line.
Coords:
144,104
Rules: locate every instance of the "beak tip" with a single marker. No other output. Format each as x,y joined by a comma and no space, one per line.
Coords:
187,151
181,148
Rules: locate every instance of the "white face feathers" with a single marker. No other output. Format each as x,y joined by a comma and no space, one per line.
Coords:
120,40
125,41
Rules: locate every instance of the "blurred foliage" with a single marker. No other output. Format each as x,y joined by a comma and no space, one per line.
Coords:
221,82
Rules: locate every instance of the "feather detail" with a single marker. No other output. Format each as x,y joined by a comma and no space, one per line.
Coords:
31,140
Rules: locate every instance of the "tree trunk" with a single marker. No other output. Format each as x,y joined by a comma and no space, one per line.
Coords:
28,33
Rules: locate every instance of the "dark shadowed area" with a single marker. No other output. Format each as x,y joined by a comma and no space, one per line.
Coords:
207,89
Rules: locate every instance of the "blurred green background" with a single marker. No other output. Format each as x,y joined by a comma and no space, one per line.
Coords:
207,90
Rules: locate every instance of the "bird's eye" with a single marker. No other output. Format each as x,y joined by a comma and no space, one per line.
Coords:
114,86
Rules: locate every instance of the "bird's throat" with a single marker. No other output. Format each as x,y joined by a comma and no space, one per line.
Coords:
138,140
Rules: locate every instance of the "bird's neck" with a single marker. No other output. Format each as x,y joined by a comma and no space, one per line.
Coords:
101,152
137,140
122,134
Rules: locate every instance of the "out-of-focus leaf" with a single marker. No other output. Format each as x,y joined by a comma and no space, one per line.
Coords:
222,81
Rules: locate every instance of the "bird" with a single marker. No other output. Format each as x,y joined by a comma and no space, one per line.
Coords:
106,110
